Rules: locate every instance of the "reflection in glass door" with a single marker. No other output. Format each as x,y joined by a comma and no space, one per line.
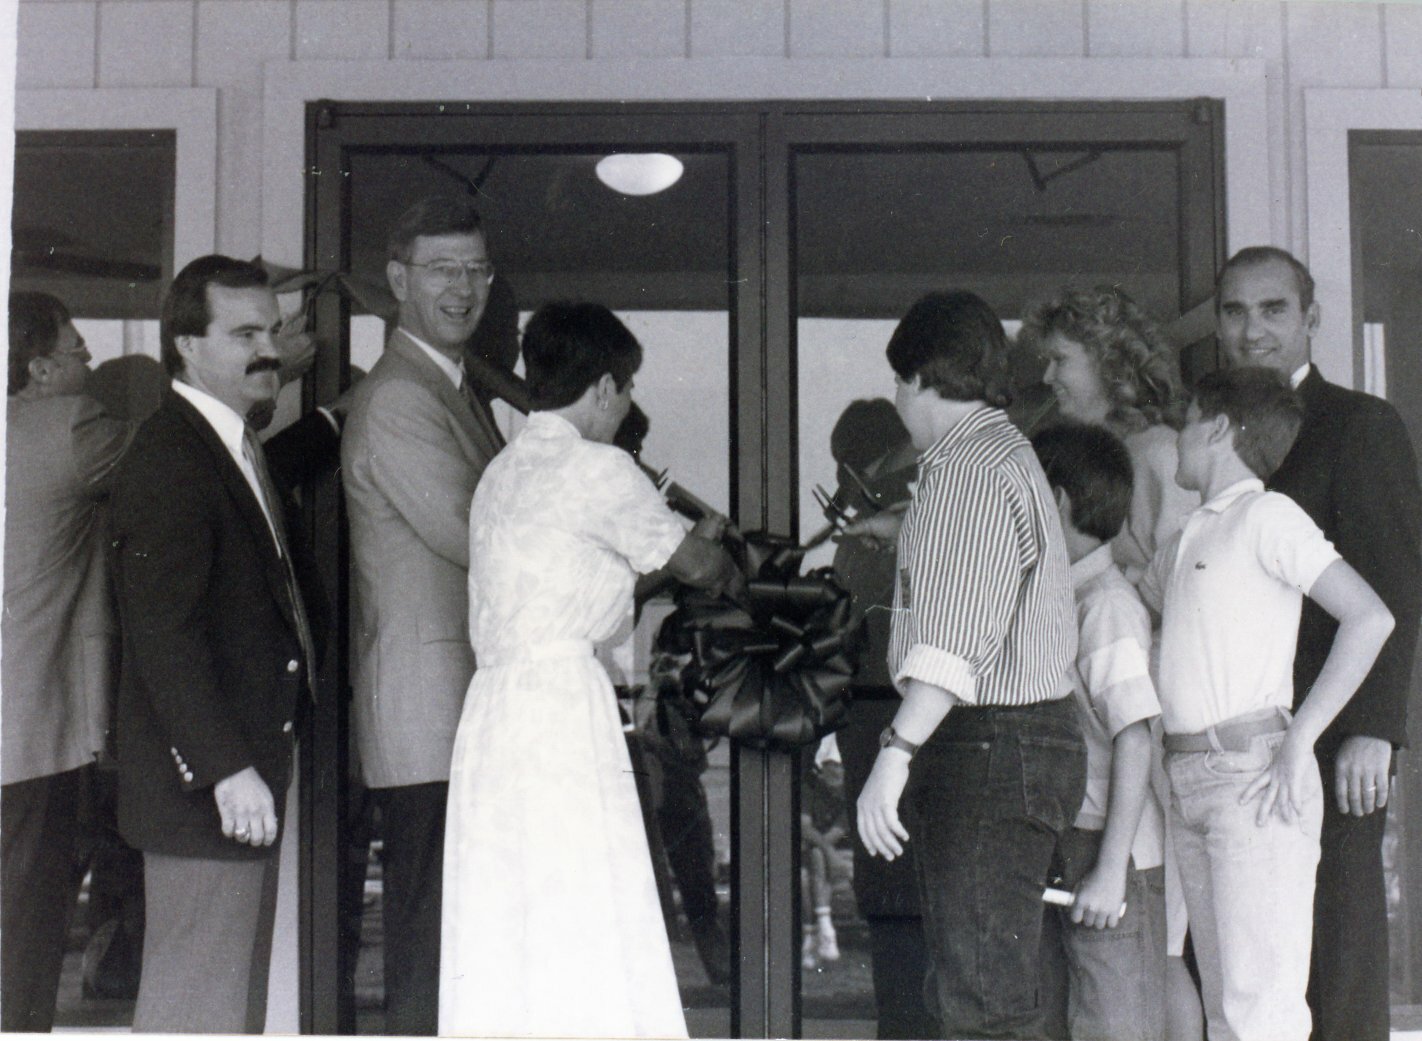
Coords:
876,224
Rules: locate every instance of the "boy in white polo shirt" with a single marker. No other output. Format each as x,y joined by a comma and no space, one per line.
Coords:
1247,801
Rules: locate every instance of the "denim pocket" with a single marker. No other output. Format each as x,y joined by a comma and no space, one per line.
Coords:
1053,779
1249,763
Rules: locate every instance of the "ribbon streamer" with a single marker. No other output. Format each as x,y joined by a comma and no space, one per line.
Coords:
774,665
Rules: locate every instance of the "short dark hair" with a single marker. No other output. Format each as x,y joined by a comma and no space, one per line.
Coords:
432,215
35,321
953,342
1263,409
186,310
1092,466
1252,256
1137,363
567,347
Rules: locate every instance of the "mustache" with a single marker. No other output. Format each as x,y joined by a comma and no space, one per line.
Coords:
263,365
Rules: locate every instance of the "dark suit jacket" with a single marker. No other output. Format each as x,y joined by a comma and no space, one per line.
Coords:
1353,471
212,670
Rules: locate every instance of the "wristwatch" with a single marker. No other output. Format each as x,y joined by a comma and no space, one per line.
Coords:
890,739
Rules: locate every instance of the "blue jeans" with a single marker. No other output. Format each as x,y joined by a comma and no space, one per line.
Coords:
990,795
1116,976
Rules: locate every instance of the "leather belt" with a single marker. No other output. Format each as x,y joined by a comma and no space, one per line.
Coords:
1233,735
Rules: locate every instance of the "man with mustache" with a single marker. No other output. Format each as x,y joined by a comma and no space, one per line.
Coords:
217,655
416,443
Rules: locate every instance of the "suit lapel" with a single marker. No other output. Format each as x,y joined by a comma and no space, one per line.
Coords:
243,499
477,424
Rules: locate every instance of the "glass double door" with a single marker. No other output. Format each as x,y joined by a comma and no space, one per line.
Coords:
763,284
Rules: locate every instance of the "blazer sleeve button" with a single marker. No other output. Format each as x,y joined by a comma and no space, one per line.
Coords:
293,665
286,727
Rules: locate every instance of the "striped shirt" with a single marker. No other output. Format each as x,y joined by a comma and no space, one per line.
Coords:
983,605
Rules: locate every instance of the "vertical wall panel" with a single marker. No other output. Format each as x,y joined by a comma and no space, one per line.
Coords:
540,29
234,37
1402,29
1226,29
1036,28
1329,45
1131,29
441,29
842,28
639,28
128,56
726,28
56,45
342,29
928,28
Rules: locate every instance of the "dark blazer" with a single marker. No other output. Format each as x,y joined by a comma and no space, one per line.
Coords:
1354,472
212,668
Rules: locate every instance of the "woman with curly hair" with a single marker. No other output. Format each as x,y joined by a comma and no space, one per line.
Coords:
1110,365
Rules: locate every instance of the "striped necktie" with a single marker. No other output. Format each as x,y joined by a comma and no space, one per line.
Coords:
257,459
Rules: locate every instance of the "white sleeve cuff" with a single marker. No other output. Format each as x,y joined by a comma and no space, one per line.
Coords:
934,665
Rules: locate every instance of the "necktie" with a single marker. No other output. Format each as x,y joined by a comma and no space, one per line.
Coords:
480,410
257,459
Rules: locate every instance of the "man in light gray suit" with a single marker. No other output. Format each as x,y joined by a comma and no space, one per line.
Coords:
416,441
59,641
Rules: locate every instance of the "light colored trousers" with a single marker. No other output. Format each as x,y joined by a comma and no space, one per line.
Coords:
1249,891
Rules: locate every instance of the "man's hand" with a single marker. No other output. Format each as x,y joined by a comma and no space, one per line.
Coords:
297,350
882,527
245,804
1281,786
1099,897
1362,780
880,829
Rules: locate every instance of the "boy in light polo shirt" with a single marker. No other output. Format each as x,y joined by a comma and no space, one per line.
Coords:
1114,852
1247,801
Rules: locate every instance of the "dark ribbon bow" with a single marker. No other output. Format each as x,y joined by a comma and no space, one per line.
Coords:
773,664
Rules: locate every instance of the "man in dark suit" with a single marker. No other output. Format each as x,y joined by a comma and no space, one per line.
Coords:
217,656
1353,470
417,441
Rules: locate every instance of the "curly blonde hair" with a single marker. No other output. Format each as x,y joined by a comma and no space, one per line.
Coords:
1137,364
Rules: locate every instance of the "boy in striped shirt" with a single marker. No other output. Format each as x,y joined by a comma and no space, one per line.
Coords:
1114,855
983,636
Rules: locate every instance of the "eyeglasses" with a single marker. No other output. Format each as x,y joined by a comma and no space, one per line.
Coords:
448,272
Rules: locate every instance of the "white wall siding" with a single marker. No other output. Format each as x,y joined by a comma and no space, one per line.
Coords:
639,28
836,29
937,28
436,29
58,45
539,28
342,29
128,56
1036,28
1402,43
734,28
1121,29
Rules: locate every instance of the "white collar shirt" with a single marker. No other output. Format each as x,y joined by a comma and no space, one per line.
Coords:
452,369
1231,584
230,429
1299,375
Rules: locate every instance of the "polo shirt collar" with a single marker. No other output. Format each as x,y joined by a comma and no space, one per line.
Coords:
1094,564
1226,498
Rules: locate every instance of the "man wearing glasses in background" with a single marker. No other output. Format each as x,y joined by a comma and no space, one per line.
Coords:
415,445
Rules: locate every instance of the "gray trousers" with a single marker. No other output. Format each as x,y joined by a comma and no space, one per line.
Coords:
207,946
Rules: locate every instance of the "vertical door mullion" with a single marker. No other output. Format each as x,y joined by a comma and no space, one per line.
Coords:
327,1006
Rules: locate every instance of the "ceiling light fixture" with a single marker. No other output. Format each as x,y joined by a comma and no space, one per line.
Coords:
639,173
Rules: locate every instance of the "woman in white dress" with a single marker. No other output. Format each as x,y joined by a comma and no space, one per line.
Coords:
551,922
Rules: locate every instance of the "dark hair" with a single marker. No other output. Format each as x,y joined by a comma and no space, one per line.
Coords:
185,307
1252,256
1137,364
1092,466
1262,408
953,342
432,215
567,347
35,321
632,431
865,431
